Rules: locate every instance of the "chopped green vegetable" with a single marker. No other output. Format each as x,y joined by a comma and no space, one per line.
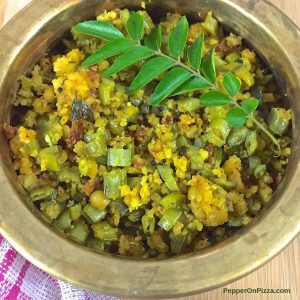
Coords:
44,193
251,142
69,174
49,158
237,136
169,218
93,214
148,222
105,232
63,221
112,182
79,232
119,157
188,105
75,211
278,120
167,175
178,244
172,200
96,244
136,215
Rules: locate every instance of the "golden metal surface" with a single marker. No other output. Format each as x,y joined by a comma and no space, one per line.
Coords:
23,42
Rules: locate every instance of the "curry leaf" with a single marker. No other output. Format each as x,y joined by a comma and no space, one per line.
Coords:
169,83
178,38
236,117
150,71
110,49
153,39
81,111
129,58
231,83
208,67
99,29
214,98
135,26
195,52
250,105
196,83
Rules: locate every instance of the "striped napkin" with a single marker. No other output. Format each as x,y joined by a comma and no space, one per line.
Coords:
19,279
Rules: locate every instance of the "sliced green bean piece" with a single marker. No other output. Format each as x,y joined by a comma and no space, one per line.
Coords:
178,244
172,200
105,232
43,193
167,174
237,136
112,182
75,211
63,221
119,157
169,218
251,142
188,105
96,244
278,120
93,214
79,232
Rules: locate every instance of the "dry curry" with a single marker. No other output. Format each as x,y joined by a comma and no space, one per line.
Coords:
120,175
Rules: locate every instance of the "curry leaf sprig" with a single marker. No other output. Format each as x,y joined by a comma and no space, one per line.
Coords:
177,77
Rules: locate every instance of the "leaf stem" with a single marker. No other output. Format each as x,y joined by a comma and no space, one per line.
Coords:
259,125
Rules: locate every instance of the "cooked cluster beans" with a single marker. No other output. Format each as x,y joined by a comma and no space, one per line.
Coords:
119,175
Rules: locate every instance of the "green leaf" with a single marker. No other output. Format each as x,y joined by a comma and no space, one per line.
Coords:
169,83
250,105
129,58
135,26
231,83
99,29
153,39
209,68
214,98
196,83
110,49
178,38
236,117
150,71
195,52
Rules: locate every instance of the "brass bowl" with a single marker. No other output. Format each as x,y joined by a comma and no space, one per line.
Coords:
24,40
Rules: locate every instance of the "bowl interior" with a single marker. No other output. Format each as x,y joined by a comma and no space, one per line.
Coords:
26,40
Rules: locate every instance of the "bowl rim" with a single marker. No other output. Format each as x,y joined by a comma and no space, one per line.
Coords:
59,260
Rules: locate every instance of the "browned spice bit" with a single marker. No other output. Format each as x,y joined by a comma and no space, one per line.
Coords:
93,77
9,131
168,120
89,187
210,149
141,133
223,47
138,162
94,68
76,133
94,93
